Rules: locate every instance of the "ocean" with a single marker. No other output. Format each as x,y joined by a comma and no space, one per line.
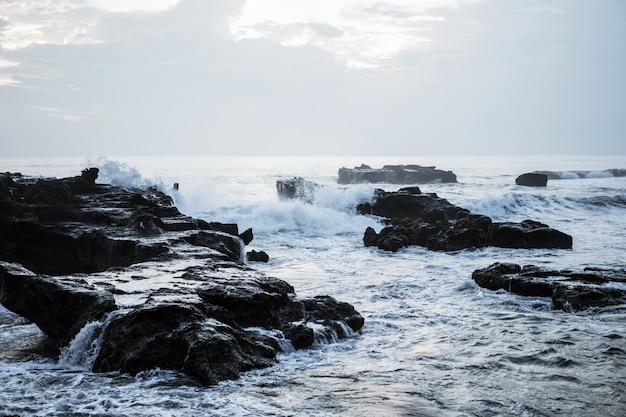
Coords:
433,344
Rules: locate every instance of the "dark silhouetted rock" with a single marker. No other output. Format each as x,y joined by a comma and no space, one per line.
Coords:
569,290
532,179
257,256
394,174
414,218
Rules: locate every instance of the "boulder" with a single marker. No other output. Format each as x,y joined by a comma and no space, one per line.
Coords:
171,291
532,179
569,290
414,218
297,188
394,174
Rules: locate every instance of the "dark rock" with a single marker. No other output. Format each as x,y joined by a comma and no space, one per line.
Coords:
297,188
59,308
410,202
181,337
257,256
414,218
528,234
90,175
188,302
395,174
569,290
532,179
247,236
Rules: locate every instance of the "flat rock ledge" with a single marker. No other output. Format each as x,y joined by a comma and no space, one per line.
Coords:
394,174
569,290
424,219
168,291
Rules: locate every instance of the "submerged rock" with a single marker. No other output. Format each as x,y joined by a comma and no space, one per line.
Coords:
172,291
569,290
394,174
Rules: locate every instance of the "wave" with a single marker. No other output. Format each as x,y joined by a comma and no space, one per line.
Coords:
512,204
567,175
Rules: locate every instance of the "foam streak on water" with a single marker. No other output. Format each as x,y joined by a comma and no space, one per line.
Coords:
434,343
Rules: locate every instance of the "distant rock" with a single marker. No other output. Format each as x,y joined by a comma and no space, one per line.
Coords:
532,179
569,290
394,174
172,292
414,218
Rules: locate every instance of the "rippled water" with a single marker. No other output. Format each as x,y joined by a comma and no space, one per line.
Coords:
434,343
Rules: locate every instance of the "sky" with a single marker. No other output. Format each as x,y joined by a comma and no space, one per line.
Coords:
316,77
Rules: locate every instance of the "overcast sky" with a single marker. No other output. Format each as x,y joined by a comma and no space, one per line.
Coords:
210,77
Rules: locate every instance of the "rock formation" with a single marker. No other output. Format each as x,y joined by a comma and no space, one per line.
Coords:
394,174
532,179
172,291
569,290
427,220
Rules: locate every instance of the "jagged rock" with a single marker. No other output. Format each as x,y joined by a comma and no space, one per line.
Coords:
569,290
410,202
394,174
414,218
59,308
186,299
257,256
297,188
532,179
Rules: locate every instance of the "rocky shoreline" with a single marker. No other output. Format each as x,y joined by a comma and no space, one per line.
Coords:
170,291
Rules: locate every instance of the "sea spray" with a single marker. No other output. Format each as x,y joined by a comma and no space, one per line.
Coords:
83,350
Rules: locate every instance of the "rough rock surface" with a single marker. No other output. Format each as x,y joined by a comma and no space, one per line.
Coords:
414,218
394,174
171,291
297,188
569,290
532,179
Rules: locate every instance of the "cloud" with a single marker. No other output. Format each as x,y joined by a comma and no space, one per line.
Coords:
383,78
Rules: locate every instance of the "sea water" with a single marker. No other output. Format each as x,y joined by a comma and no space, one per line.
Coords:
433,344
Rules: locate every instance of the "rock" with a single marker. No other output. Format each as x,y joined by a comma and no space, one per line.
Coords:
528,234
297,188
532,179
394,174
59,308
414,218
257,256
569,290
410,202
172,291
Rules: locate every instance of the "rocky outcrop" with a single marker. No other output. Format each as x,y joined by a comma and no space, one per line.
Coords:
569,290
297,188
413,218
532,179
172,291
394,174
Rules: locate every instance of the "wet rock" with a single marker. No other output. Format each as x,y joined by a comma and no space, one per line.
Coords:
394,174
257,256
532,179
414,218
172,291
297,188
569,290
59,308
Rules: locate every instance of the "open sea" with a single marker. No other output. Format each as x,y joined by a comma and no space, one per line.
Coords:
433,344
